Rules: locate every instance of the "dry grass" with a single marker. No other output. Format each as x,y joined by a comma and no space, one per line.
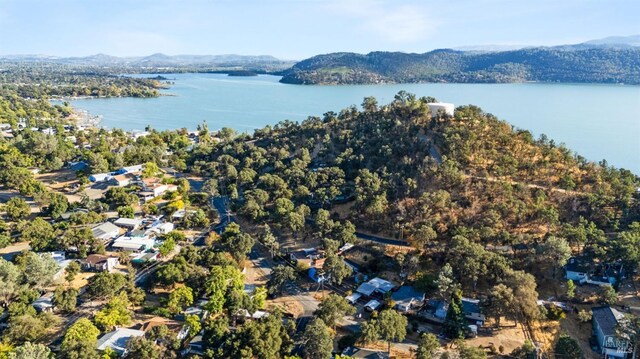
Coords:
509,338
287,304
15,248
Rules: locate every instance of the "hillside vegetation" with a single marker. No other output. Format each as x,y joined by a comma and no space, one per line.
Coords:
494,185
560,64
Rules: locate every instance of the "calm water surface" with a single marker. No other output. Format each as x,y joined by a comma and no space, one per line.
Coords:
597,121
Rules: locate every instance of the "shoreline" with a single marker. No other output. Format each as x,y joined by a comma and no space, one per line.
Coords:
85,119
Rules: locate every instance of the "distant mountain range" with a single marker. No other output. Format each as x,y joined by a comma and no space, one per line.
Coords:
611,42
613,59
155,60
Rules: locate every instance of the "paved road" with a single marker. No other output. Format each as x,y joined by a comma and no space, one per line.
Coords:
372,238
221,204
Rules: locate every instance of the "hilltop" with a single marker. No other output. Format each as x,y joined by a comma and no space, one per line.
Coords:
582,63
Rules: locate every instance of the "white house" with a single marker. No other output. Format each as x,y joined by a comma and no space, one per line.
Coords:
134,244
376,285
447,108
62,261
117,340
99,177
162,228
100,263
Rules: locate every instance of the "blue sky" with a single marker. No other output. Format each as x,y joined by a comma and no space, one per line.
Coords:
295,29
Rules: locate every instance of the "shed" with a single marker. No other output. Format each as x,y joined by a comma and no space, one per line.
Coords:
353,298
44,303
372,305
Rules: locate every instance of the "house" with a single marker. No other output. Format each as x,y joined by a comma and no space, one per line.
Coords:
576,271
105,231
605,321
99,263
308,257
181,213
129,169
437,311
407,298
441,107
375,286
133,243
607,273
135,134
471,310
149,256
122,180
44,303
583,271
195,347
258,314
159,227
99,177
62,261
117,340
154,185
128,223
362,353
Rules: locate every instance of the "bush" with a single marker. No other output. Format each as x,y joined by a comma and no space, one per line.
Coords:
348,340
162,312
555,313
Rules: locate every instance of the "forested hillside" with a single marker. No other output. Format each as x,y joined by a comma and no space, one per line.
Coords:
561,64
46,80
494,185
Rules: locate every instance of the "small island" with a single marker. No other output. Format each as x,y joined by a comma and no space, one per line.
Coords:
158,78
242,73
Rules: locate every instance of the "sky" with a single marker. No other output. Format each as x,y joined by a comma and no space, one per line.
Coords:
296,29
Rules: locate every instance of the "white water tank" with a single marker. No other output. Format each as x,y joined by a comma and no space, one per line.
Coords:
448,108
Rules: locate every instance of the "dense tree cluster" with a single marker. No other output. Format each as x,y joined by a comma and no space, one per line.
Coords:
556,64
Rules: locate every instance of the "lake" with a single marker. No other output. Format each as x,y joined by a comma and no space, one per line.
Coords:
597,121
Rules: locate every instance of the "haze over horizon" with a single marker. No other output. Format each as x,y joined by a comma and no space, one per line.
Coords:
290,29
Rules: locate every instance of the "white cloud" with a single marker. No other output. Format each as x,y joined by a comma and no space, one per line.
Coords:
390,21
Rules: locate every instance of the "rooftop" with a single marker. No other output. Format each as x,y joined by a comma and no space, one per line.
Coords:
104,229
95,258
407,293
117,339
607,318
127,222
